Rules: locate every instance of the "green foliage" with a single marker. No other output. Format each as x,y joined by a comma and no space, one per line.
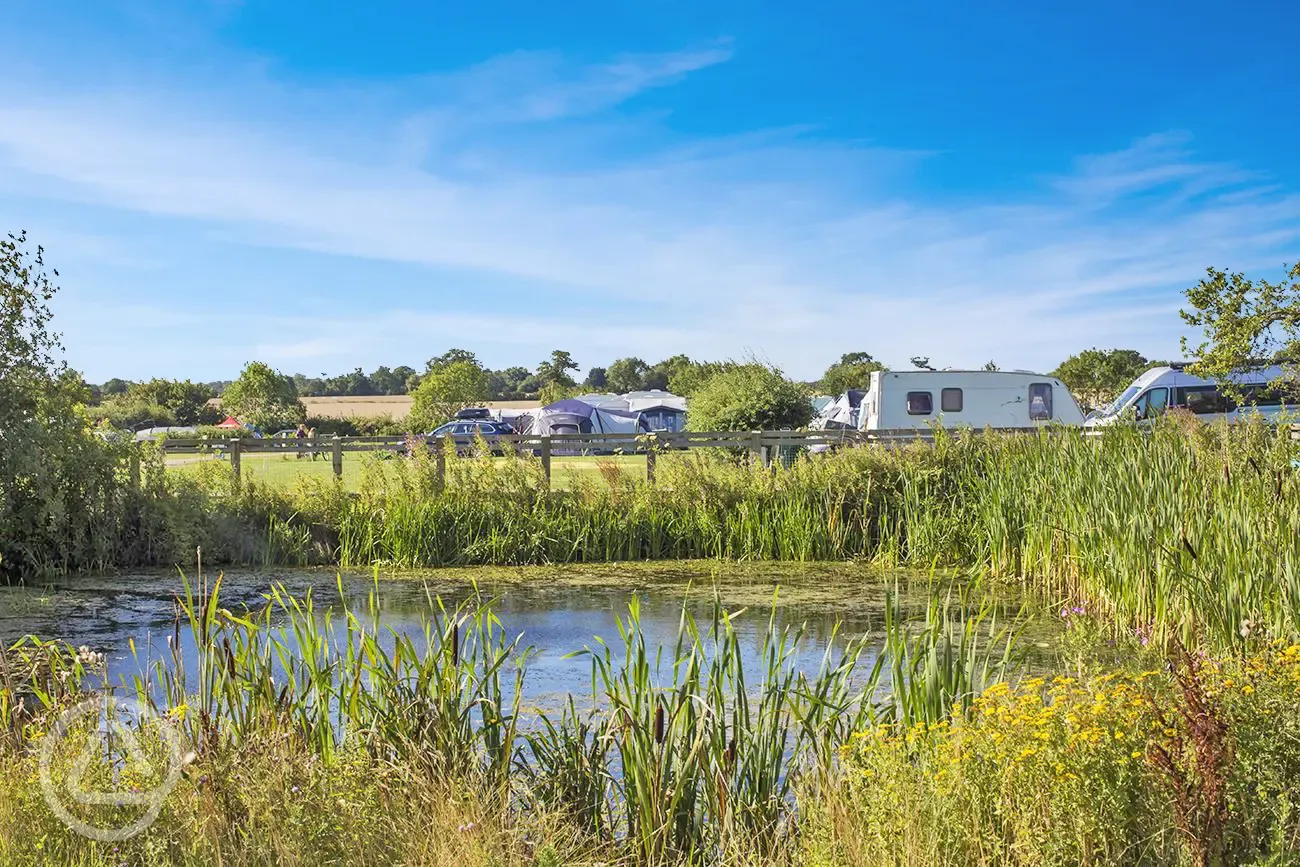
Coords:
749,397
596,379
555,370
160,402
1120,768
514,383
555,391
114,387
1245,323
448,387
626,374
1097,376
62,504
263,397
357,426
853,370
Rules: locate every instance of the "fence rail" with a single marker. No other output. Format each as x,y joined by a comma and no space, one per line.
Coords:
763,446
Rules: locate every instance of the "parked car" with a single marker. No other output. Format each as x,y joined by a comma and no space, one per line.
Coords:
465,433
474,412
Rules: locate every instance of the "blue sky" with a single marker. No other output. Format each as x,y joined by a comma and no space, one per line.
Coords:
324,186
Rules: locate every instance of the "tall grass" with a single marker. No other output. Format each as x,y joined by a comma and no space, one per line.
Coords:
685,754
1187,529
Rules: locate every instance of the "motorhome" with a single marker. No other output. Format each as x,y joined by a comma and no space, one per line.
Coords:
1171,387
917,399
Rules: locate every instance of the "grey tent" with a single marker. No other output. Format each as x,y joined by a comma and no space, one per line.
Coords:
842,412
574,417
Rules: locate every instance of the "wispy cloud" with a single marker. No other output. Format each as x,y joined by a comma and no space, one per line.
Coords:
712,248
533,86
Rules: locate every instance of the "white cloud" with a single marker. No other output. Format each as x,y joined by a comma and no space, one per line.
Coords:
716,248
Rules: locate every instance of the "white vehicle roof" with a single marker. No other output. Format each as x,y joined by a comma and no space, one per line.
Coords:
1177,374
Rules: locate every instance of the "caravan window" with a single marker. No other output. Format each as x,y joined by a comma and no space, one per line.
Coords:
1040,401
950,400
920,403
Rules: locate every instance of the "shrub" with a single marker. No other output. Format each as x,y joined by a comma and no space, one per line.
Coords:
1074,771
749,397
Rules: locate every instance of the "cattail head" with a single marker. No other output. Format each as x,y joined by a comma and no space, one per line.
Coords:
455,644
659,723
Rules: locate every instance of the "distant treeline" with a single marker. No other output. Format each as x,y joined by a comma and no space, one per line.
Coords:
1095,376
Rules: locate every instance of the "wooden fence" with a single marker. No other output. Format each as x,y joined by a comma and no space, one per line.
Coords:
762,446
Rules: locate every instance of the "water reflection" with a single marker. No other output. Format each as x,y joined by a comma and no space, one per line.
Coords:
555,614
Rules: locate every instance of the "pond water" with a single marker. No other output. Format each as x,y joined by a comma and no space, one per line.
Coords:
556,610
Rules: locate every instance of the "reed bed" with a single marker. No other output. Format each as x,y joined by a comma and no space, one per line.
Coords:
684,754
1186,528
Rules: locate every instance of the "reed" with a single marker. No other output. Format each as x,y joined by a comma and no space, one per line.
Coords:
1185,531
691,753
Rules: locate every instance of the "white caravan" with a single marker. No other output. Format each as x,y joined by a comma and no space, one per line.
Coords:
1164,388
918,399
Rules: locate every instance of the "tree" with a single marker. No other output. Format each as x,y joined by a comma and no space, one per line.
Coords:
596,378
749,397
551,392
1245,323
662,374
555,370
186,402
990,366
853,370
1096,376
59,494
263,397
446,389
403,376
114,387
451,356
627,374
512,383
309,386
687,380
384,381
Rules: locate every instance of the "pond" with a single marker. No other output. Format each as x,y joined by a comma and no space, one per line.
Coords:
556,610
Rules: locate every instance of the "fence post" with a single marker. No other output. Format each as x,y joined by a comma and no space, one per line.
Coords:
338,457
651,449
234,450
545,453
756,445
